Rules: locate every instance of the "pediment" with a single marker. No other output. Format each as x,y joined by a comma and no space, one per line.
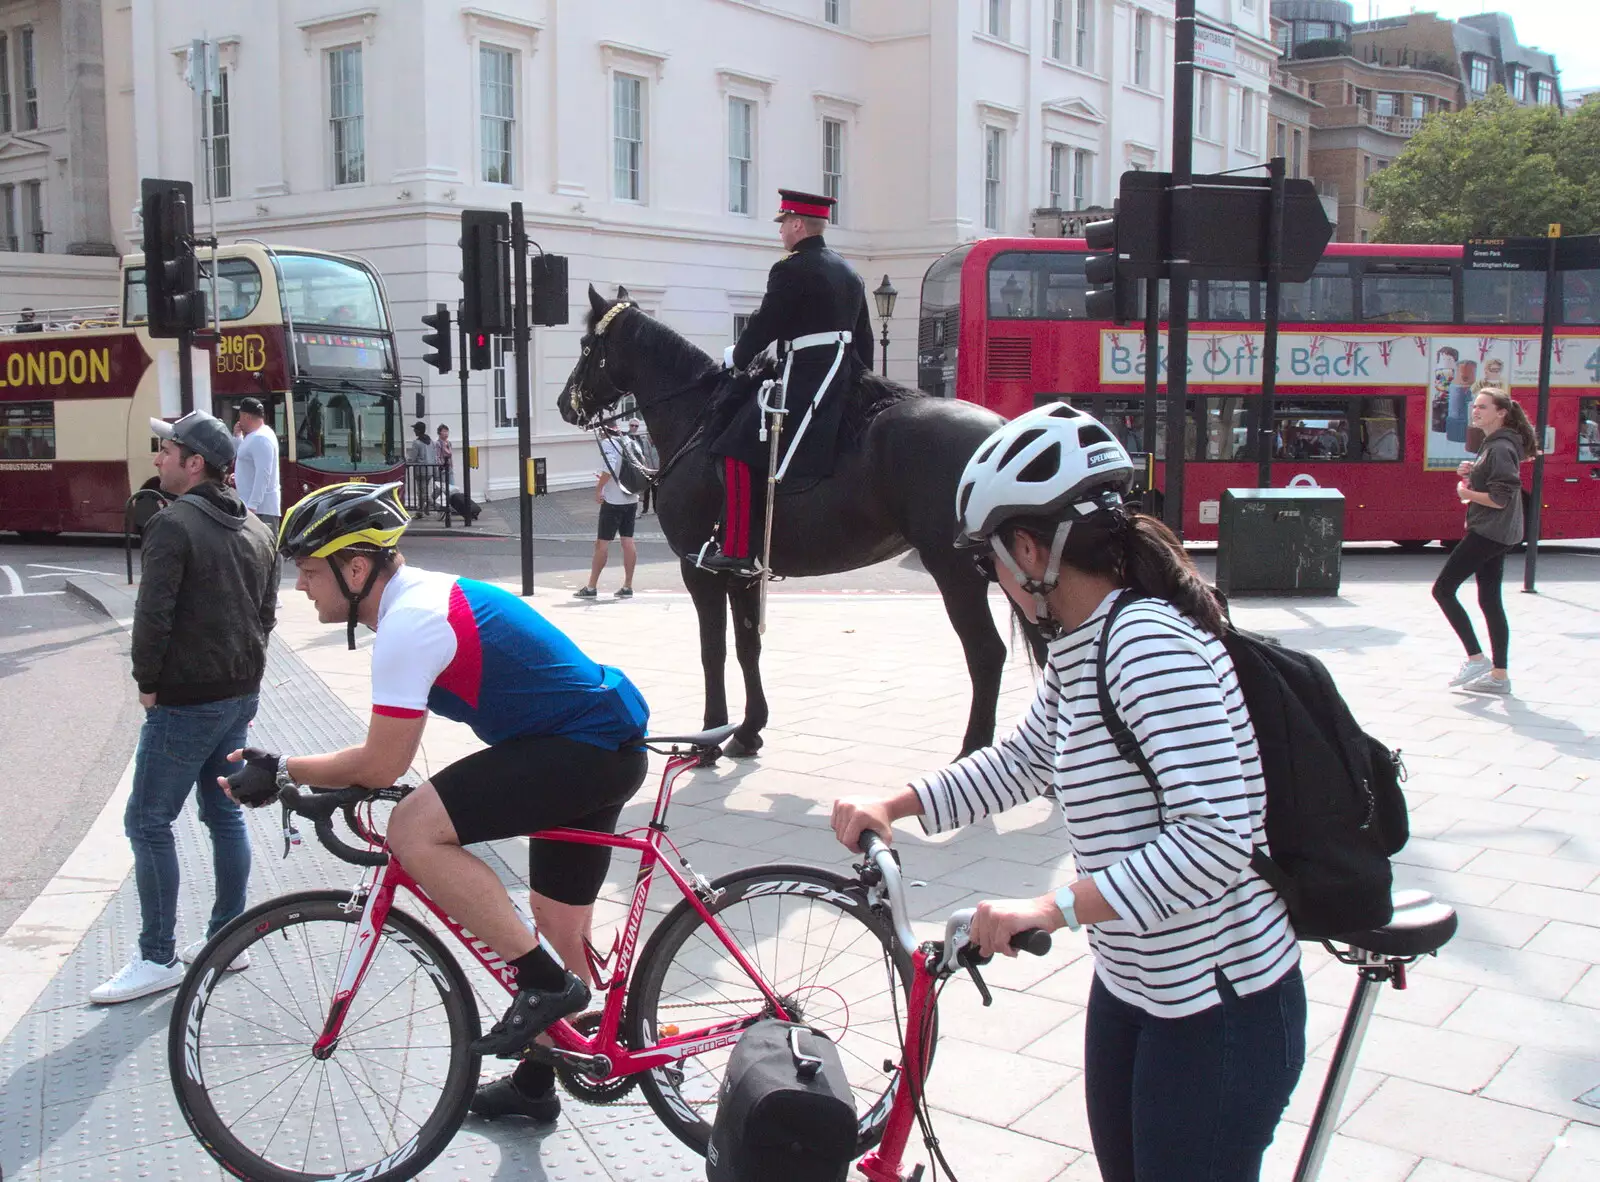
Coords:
1076,108
16,148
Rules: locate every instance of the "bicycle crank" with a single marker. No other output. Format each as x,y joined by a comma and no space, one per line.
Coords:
584,1076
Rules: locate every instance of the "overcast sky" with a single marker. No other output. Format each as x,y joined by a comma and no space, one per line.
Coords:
1570,29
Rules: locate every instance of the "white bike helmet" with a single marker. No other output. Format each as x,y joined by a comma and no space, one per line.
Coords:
1053,463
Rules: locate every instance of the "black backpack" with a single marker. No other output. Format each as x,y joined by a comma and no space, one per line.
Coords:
1335,812
785,1111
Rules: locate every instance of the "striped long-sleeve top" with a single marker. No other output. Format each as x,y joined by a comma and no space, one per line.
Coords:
1174,865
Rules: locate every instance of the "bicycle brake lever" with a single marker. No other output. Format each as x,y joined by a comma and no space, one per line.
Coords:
977,979
291,835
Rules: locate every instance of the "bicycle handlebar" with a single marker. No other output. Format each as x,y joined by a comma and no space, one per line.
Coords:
319,807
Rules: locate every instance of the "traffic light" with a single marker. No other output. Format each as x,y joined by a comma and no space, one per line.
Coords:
174,303
485,271
547,279
1112,292
438,340
480,351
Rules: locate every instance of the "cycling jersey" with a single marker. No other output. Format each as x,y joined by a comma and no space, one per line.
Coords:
477,654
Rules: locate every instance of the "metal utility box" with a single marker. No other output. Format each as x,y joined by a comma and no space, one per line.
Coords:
1280,541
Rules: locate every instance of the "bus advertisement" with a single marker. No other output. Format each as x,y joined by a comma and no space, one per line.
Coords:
1379,356
306,332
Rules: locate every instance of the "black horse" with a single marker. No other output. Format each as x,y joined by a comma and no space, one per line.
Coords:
892,488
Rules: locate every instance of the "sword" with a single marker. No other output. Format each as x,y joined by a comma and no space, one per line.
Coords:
773,398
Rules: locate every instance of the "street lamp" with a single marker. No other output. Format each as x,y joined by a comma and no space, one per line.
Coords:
884,296
1011,293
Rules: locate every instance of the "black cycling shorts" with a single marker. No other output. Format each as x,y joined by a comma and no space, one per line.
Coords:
539,782
617,519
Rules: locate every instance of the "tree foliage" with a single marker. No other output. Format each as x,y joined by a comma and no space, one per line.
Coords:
1491,169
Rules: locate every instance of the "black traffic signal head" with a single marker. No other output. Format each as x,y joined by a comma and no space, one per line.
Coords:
485,271
438,340
480,351
1111,294
173,299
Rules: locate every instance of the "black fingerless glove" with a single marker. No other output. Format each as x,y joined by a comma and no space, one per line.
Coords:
260,780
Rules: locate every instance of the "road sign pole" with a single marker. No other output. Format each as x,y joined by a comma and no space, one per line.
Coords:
1152,368
1547,333
1269,341
521,338
1178,312
465,442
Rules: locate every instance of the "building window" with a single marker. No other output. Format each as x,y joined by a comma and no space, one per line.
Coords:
833,165
505,405
221,141
5,84
830,11
1480,75
1294,160
1285,38
1318,31
995,17
994,152
1283,141
1419,106
497,114
1547,92
741,321
1366,180
1141,48
1519,84
1083,35
1202,120
1058,174
1247,127
345,106
29,79
8,217
1386,104
741,153
1082,178
1058,30
33,231
628,138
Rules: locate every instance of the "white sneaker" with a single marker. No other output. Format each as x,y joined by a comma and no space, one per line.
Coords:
138,978
191,951
1470,668
1488,683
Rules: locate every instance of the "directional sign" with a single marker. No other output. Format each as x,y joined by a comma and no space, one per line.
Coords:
1505,254
1213,50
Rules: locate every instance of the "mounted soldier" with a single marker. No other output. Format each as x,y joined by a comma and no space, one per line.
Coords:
815,310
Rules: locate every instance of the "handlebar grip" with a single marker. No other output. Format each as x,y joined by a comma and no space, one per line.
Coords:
870,843
344,850
1034,940
319,807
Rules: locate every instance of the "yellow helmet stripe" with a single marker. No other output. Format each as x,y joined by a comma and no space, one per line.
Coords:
386,539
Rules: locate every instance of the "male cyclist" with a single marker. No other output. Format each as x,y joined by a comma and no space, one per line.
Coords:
563,748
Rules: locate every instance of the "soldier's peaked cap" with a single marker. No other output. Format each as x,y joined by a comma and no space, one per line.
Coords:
809,205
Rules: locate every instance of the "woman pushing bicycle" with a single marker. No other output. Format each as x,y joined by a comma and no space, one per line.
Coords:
563,739
1195,1031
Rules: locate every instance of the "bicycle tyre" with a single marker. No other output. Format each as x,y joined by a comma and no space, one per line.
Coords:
689,1117
250,932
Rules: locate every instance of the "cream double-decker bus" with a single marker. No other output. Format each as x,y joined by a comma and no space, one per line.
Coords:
306,332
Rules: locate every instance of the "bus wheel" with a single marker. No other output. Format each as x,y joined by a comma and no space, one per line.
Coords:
1412,545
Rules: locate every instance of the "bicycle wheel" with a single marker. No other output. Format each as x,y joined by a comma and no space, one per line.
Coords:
813,937
390,1096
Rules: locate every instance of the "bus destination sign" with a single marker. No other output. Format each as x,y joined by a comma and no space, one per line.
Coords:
1505,254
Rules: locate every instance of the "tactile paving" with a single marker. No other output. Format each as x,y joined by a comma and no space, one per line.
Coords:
84,1090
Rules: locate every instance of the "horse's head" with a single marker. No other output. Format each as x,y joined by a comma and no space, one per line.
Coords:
600,378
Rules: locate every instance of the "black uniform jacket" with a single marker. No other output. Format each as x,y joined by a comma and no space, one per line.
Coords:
810,290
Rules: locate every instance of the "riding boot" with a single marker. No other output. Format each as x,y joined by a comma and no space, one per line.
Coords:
730,550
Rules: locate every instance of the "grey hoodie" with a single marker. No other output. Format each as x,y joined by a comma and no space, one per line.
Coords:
1497,471
207,600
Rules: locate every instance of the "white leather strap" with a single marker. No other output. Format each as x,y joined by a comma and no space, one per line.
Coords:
813,339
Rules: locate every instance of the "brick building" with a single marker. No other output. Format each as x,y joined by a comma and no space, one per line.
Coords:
1480,51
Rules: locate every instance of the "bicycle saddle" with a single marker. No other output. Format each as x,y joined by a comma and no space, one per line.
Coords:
714,737
1421,925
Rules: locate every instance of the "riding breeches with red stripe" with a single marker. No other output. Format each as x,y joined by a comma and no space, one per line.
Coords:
738,518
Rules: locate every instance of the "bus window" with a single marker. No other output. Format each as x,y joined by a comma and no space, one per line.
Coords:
1503,297
1036,285
1364,429
238,287
135,307
1589,430
1228,429
1124,418
1233,300
1382,429
28,431
1393,292
1580,297
327,291
345,430
1329,295
939,325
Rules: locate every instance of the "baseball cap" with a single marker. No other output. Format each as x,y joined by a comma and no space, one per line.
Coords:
252,406
204,434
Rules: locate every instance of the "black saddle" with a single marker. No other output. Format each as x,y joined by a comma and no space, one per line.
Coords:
1421,925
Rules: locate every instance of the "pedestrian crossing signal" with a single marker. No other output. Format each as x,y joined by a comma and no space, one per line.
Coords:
480,352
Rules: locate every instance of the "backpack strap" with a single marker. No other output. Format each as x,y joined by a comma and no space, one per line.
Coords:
1127,744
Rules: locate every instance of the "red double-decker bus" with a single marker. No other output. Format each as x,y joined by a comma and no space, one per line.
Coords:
306,332
1379,356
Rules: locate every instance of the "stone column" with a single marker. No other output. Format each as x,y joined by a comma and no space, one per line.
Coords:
84,82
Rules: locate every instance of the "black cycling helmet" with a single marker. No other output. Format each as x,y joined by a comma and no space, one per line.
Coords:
363,518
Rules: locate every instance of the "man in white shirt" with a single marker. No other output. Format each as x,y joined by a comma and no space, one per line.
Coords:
618,508
255,471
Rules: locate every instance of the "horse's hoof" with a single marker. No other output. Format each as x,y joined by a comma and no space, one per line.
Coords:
737,748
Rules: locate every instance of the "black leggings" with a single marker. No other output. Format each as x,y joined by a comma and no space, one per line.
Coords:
1476,554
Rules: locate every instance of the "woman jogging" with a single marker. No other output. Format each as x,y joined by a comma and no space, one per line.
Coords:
1491,489
1195,1032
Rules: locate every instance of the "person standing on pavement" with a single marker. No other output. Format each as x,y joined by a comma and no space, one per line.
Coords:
207,603
1195,1028
255,470
619,509
420,450
1491,489
445,453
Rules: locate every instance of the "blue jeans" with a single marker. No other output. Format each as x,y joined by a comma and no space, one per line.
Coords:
1192,1099
178,746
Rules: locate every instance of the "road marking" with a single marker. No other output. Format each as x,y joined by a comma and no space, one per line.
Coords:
11,577
68,570
16,587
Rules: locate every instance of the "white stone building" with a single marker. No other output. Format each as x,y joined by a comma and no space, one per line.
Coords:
646,140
